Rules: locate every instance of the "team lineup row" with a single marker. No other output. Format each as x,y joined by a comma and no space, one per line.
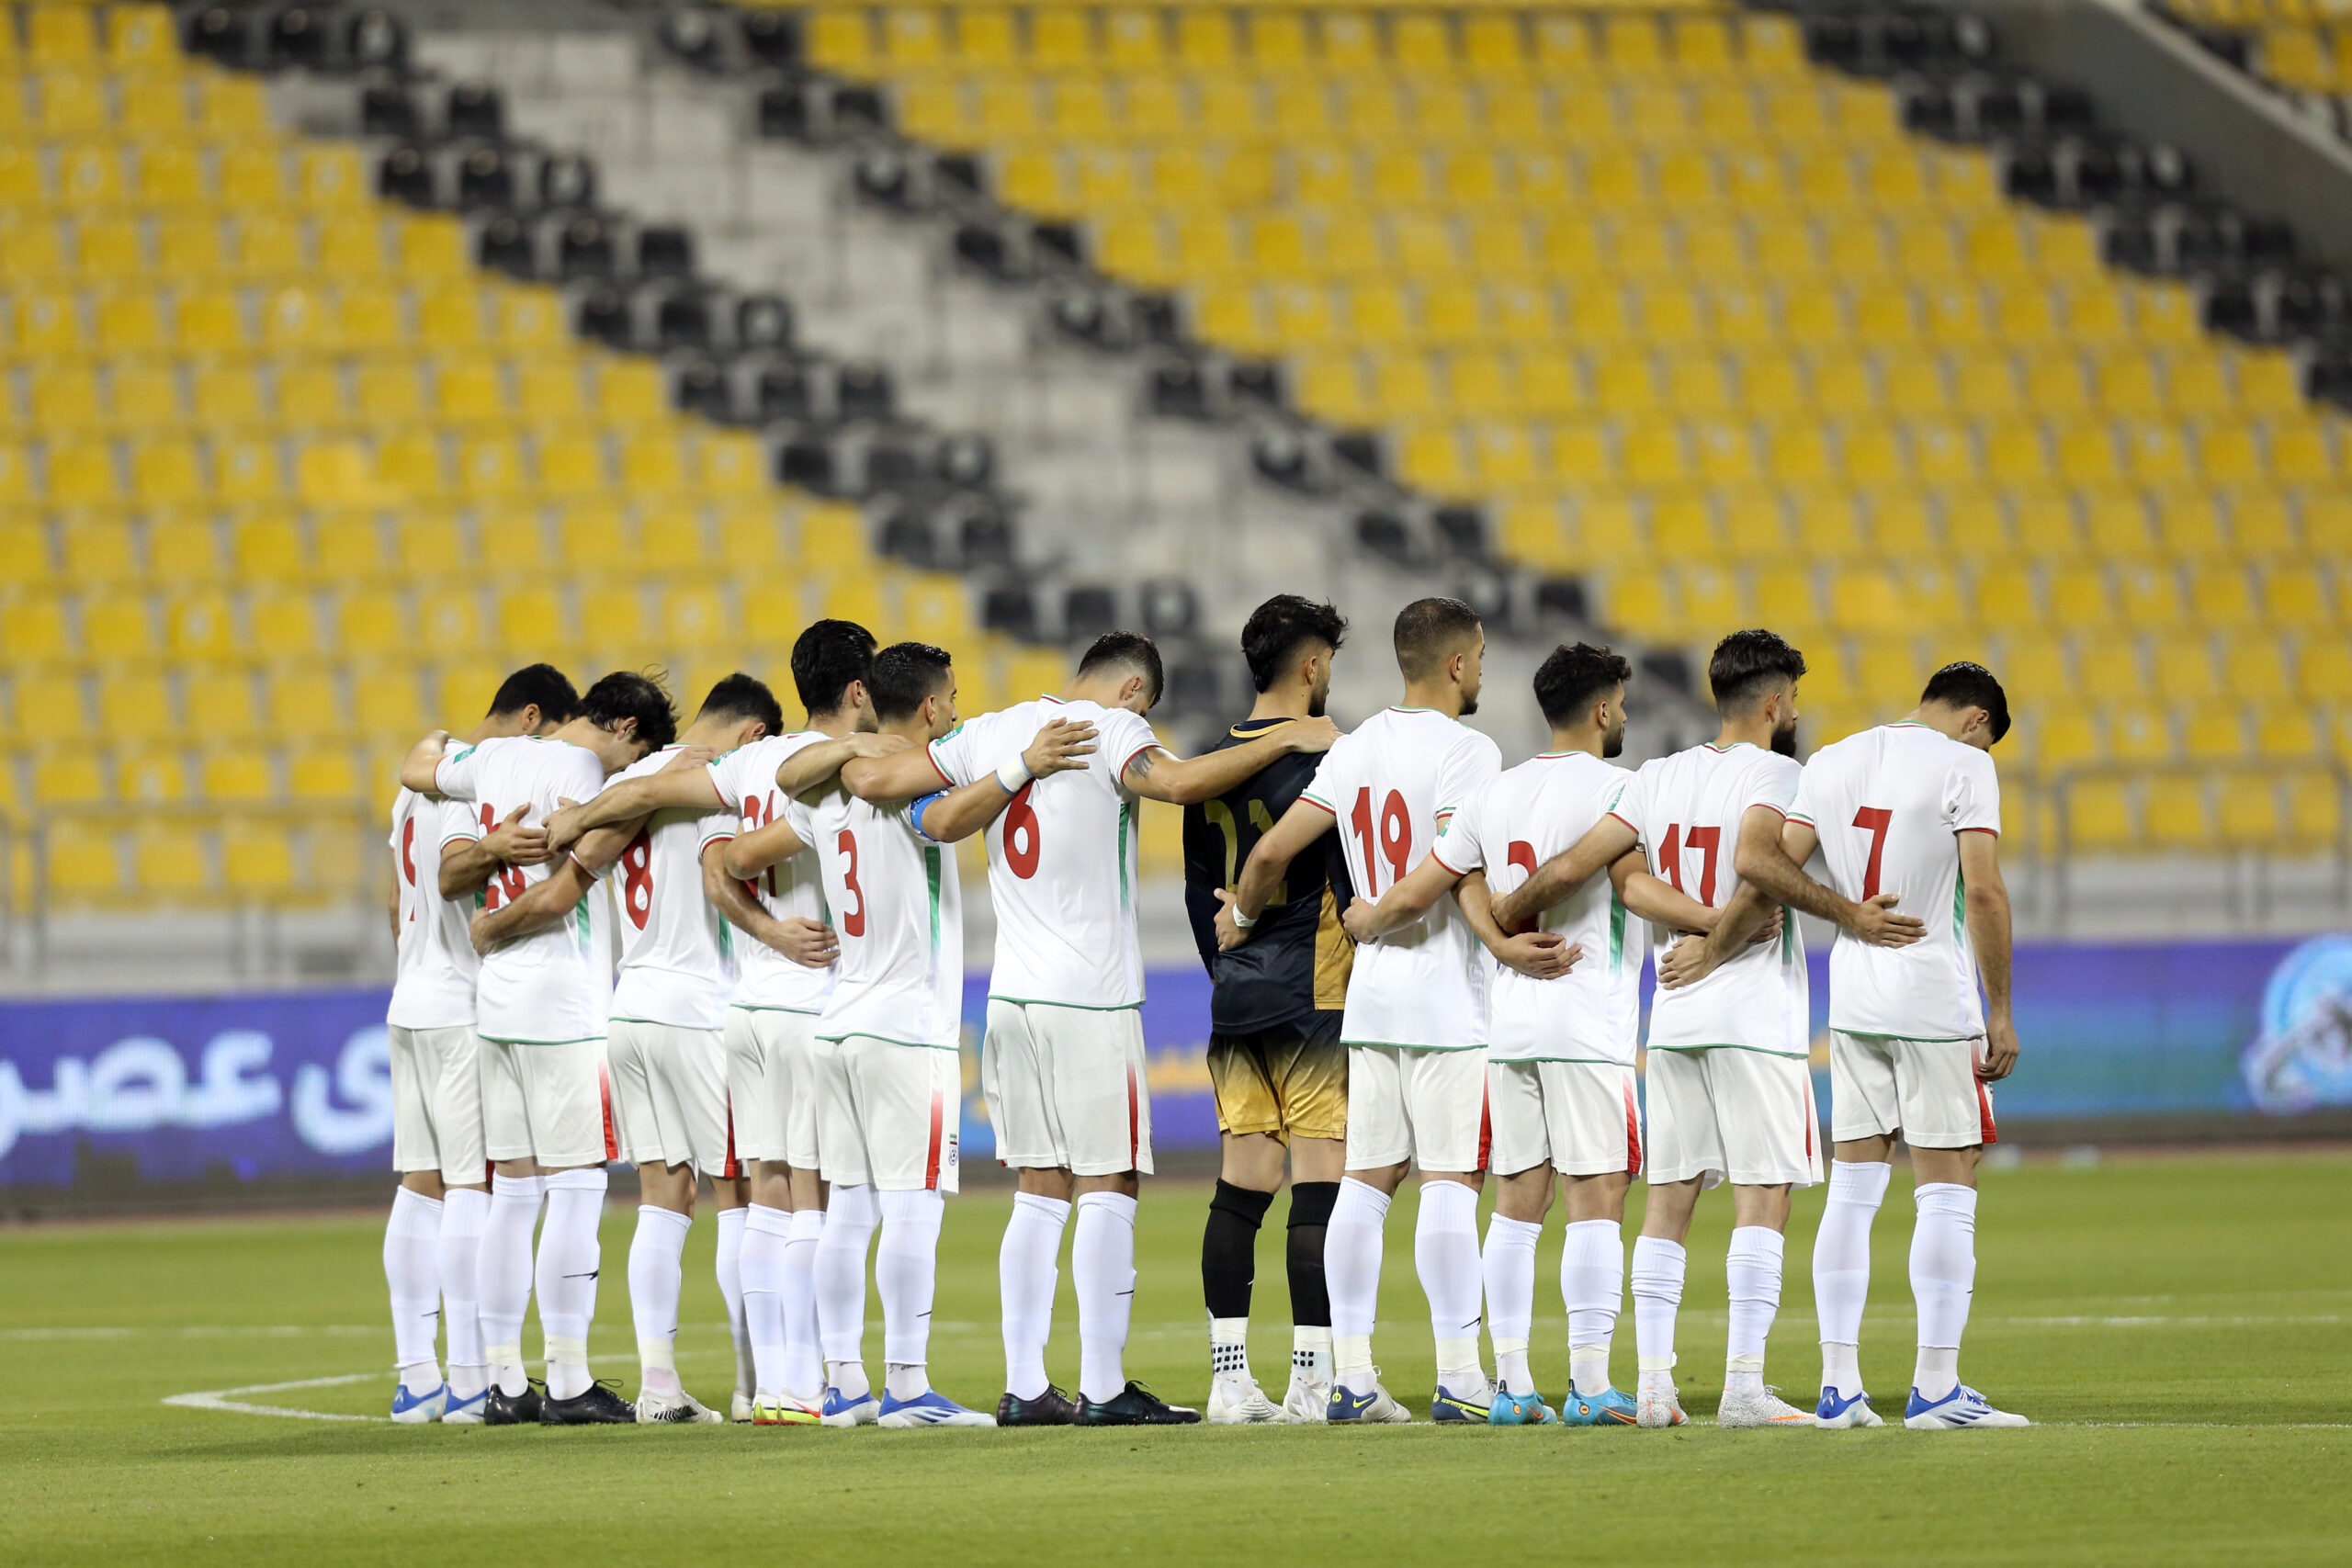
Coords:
1418,959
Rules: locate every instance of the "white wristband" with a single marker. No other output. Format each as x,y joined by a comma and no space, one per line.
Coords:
1242,921
1012,774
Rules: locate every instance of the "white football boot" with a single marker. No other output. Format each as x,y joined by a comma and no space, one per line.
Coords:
1307,1400
655,1409
1764,1407
1236,1400
1963,1407
739,1409
1656,1402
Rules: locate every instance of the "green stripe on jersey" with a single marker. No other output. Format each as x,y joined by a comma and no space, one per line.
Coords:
930,874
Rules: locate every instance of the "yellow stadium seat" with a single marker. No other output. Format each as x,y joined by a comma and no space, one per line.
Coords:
531,618
2175,813
150,774
384,701
2284,730
217,700
323,773
2067,738
2324,666
281,625
2139,735
48,705
31,630
84,863
2315,809
256,858
240,774
2110,668
134,700
2099,816
171,863
118,627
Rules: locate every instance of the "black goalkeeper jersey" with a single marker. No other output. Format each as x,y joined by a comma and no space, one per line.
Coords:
1296,960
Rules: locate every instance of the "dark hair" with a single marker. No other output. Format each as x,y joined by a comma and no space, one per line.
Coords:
541,684
904,674
743,696
625,693
1966,684
829,655
1430,629
1747,664
1567,682
1126,650
1278,628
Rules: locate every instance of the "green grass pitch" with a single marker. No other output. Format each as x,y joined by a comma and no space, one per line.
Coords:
2179,1327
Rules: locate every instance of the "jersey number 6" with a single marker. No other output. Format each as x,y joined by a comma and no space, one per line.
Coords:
1021,834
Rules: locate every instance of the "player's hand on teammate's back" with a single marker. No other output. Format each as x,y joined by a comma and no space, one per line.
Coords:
1311,735
563,829
1230,934
1060,746
1880,927
808,943
2000,1050
1357,920
1683,962
478,931
874,743
517,844
1540,955
692,757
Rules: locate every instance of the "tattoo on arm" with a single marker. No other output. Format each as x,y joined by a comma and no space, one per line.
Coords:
1141,766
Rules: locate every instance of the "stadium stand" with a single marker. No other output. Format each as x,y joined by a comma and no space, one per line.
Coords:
1699,320
287,476
1657,317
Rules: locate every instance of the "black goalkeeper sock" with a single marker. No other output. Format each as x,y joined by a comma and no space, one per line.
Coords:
1229,1248
1310,1213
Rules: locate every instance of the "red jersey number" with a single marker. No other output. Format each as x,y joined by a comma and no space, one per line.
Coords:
852,920
637,878
1707,841
1020,843
506,884
1391,840
1873,820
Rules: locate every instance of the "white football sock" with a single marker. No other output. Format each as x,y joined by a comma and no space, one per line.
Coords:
570,1256
1752,1268
1229,1346
656,1279
905,1274
413,1278
1351,1248
1445,1252
1102,1267
766,1232
729,1268
1027,1271
502,1275
1311,1353
1593,1282
850,1218
1508,1265
1658,1267
464,1212
1943,1281
804,1367
1841,1268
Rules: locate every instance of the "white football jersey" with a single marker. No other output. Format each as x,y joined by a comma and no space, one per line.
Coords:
677,950
899,911
1391,782
1686,809
1889,805
433,986
1062,863
788,890
556,984
1522,819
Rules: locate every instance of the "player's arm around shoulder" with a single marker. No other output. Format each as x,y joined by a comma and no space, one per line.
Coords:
1306,820
547,903
420,768
685,784
1153,772
882,761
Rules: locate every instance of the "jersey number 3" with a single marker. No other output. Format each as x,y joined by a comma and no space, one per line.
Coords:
852,920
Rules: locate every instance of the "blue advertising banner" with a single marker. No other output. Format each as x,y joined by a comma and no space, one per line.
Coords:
299,1083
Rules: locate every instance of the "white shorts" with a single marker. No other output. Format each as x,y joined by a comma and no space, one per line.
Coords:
888,1115
1066,1089
1926,1089
546,1103
670,1096
771,1084
1426,1106
437,1103
1581,1116
1724,1114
